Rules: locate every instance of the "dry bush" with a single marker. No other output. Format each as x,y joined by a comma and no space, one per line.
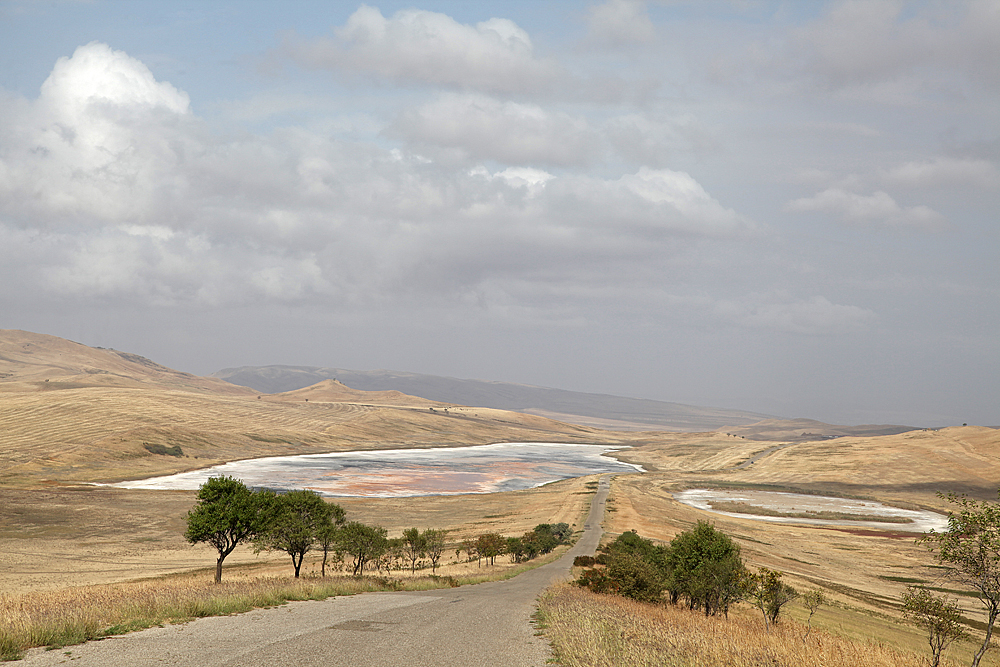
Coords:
593,630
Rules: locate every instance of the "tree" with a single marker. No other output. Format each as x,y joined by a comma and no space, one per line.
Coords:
414,547
515,549
939,616
363,543
635,577
769,593
293,524
434,542
704,565
813,600
489,546
633,567
971,549
226,515
327,533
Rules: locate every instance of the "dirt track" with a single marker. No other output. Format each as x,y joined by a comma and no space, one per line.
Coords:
472,625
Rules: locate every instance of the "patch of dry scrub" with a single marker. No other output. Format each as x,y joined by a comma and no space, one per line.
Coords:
592,630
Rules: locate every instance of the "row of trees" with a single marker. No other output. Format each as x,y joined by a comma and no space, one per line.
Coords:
701,568
541,540
228,514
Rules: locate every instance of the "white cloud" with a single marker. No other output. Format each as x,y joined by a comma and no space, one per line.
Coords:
484,128
877,207
97,143
157,209
619,22
813,316
414,46
943,172
650,140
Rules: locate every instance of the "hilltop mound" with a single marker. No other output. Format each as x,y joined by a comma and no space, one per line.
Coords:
332,391
37,362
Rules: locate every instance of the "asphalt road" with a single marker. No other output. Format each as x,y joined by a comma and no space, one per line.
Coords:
461,627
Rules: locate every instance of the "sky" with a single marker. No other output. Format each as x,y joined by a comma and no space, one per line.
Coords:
783,207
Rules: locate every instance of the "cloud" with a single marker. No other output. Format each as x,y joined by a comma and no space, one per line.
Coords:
111,189
813,316
484,128
646,139
422,47
96,144
877,207
859,44
943,172
619,23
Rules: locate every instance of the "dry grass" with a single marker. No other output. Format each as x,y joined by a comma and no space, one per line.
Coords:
76,615
600,630
62,537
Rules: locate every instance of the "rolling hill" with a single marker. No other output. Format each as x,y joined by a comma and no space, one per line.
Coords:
71,413
596,410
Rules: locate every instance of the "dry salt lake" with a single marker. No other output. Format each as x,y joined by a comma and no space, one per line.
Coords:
397,473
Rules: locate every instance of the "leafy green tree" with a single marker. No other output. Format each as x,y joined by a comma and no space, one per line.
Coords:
636,577
414,547
939,616
327,534
704,565
489,546
434,543
362,543
294,521
970,548
633,567
769,593
226,515
515,549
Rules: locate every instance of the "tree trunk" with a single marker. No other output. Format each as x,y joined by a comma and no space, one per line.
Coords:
218,570
297,564
993,611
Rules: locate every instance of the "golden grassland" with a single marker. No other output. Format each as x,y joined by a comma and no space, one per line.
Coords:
71,415
68,536
592,630
73,616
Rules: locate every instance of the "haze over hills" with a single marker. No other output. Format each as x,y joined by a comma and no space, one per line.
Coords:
597,410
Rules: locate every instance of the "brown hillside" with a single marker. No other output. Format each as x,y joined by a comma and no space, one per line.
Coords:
36,362
71,413
332,391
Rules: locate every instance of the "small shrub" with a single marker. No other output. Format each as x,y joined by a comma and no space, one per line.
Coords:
163,450
584,561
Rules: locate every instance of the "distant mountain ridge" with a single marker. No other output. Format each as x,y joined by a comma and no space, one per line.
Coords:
596,410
